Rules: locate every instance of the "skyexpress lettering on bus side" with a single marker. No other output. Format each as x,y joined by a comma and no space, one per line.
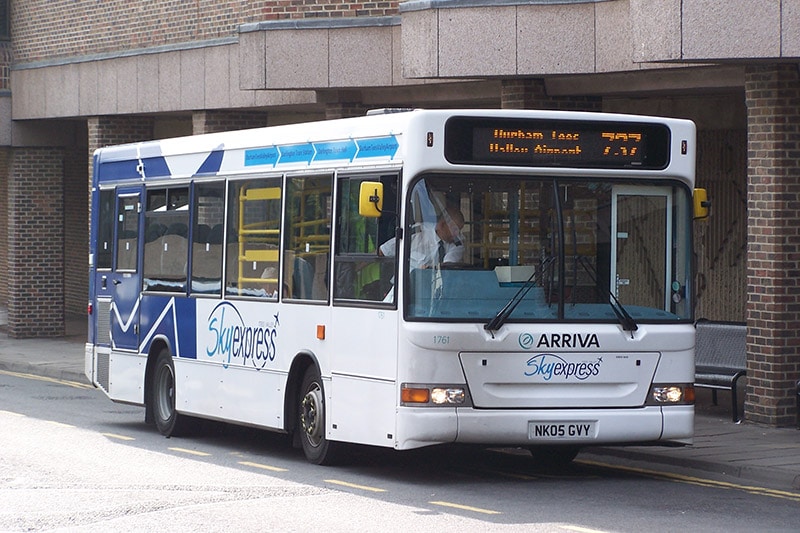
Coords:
235,342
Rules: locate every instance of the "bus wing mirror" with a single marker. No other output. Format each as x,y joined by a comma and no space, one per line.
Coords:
370,199
701,204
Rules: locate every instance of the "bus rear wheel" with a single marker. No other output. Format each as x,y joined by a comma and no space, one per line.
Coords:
162,397
311,421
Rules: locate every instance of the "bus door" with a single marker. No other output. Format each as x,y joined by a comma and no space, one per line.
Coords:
124,283
641,220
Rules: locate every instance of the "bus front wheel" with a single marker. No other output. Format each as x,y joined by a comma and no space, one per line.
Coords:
311,421
162,397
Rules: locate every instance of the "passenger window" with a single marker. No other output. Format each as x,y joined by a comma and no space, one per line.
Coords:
166,249
361,272
253,240
105,231
308,237
207,238
127,233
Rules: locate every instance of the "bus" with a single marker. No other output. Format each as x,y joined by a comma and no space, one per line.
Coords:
511,278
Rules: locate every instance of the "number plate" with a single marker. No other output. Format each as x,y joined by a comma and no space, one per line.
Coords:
562,430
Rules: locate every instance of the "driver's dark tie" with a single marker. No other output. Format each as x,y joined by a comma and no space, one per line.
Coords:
441,251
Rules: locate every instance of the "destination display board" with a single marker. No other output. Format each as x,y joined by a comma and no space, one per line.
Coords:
556,143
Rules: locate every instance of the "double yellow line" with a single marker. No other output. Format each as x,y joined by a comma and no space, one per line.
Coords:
74,384
763,491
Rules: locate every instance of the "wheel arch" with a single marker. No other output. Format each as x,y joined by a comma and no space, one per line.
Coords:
302,361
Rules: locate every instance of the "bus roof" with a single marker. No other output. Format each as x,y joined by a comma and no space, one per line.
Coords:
376,138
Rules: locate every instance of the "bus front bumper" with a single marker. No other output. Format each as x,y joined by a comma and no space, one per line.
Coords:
417,427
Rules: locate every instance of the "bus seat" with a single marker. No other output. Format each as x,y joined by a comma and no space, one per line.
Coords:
215,234
302,278
178,228
201,233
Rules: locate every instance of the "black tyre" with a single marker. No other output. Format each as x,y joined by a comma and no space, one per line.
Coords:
162,397
311,421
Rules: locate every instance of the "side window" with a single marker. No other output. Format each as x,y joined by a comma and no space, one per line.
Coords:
166,235
253,240
308,237
105,231
361,271
207,238
127,232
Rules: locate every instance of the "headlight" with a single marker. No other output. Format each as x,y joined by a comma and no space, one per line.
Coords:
681,394
418,395
452,396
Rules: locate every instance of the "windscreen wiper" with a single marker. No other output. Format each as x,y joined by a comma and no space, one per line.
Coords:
625,319
500,318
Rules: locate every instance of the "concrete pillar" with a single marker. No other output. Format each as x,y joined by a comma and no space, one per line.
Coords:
532,94
5,173
6,59
36,243
772,94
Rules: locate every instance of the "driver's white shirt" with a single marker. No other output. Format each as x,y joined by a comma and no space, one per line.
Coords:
425,248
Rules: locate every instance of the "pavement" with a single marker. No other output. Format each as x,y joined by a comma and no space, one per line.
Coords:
749,452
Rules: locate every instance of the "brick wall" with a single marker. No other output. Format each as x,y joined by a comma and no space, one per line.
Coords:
36,244
344,110
107,131
219,121
773,274
531,94
63,28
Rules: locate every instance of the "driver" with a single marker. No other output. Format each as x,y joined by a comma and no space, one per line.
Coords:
434,244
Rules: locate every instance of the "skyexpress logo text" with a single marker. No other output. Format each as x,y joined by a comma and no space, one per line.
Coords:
231,340
548,366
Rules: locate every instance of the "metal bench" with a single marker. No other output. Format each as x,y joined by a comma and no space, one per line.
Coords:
721,359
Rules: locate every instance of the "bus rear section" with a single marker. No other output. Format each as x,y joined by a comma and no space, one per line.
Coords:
565,321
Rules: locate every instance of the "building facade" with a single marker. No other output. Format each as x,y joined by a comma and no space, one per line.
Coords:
80,74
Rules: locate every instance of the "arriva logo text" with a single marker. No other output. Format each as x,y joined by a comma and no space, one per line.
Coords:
568,340
559,340
548,365
236,342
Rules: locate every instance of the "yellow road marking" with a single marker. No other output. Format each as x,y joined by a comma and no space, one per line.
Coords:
465,507
773,493
60,424
354,486
74,384
263,467
581,529
190,452
116,436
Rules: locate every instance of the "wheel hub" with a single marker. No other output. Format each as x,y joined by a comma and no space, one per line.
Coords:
310,415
